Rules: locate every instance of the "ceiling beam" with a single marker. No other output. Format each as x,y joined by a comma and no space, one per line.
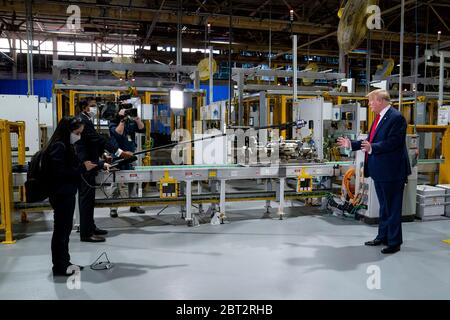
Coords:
440,18
252,14
168,16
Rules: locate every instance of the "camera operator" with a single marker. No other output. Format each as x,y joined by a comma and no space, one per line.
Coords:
123,131
90,147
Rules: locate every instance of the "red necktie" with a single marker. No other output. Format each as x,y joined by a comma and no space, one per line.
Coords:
374,127
372,132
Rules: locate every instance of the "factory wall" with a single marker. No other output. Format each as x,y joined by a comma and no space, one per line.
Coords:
42,88
220,92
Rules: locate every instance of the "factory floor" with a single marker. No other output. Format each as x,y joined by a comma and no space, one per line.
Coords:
308,255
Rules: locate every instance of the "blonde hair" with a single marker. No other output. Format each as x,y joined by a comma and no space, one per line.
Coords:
380,94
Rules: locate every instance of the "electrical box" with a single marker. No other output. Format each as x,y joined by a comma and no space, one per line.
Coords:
304,182
168,187
443,115
336,114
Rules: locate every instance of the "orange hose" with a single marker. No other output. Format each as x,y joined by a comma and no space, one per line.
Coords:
346,182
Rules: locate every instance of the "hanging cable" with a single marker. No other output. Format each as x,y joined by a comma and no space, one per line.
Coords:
102,265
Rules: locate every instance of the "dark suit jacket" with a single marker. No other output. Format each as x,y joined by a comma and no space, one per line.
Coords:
92,145
389,159
65,170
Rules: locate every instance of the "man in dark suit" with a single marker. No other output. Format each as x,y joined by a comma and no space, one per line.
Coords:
387,163
90,148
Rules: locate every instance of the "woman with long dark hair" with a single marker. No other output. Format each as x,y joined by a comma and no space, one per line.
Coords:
64,177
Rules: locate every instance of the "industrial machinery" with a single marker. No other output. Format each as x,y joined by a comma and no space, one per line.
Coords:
362,202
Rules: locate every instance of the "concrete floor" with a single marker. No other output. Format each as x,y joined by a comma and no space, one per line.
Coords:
306,256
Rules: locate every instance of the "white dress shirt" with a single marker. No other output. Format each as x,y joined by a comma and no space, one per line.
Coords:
382,113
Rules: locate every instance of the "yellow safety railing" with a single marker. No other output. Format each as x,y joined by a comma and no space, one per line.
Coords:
6,185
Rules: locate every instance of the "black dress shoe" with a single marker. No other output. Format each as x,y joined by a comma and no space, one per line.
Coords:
63,272
79,267
93,238
390,249
137,210
374,242
100,232
113,213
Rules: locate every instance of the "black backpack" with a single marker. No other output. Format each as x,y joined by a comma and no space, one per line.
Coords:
36,187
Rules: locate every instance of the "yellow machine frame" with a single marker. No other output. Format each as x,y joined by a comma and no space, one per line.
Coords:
444,168
6,190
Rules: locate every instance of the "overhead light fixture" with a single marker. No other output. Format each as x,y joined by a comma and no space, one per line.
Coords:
176,99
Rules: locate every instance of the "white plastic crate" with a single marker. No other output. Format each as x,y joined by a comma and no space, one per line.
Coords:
446,187
429,201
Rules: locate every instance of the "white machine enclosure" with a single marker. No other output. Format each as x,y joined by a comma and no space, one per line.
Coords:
23,108
310,110
327,120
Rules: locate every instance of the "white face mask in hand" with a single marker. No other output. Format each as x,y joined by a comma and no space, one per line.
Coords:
74,138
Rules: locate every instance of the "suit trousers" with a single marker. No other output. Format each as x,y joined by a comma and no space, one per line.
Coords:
86,205
390,197
63,208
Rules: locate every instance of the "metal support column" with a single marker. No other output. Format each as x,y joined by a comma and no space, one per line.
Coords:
189,203
222,200
441,79
368,57
29,27
148,128
263,121
55,48
199,191
14,55
189,123
179,38
268,188
342,62
402,35
71,103
283,115
211,75
281,205
240,111
294,66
